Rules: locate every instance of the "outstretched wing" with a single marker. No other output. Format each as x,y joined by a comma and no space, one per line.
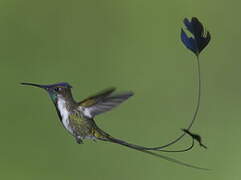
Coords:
91,100
102,102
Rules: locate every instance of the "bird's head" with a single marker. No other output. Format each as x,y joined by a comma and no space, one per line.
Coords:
59,90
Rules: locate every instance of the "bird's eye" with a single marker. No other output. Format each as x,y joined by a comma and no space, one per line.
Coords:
57,89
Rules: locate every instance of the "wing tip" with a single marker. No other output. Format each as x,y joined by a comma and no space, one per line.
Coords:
125,95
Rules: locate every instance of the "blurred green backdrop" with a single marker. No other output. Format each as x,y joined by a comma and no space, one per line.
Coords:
133,45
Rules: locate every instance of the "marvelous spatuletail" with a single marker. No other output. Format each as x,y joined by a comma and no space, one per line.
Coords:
78,117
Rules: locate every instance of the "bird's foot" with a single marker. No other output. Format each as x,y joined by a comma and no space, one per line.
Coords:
79,140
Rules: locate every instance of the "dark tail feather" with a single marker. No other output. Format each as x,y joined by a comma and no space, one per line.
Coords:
139,148
196,137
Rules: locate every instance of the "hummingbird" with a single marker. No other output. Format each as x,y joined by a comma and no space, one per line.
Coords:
78,117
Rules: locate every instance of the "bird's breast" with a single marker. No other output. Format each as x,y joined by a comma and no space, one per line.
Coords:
64,114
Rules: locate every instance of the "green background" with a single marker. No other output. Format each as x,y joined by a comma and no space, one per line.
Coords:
133,45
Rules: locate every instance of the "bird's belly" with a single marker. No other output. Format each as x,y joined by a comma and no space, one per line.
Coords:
72,121
79,129
66,124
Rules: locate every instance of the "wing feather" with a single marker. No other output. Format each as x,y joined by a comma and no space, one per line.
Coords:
102,102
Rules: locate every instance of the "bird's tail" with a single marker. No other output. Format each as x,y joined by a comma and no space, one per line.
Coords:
103,136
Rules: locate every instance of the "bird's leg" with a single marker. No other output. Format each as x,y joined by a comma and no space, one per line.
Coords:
78,140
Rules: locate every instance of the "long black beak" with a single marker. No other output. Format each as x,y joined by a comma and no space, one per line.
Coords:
36,85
